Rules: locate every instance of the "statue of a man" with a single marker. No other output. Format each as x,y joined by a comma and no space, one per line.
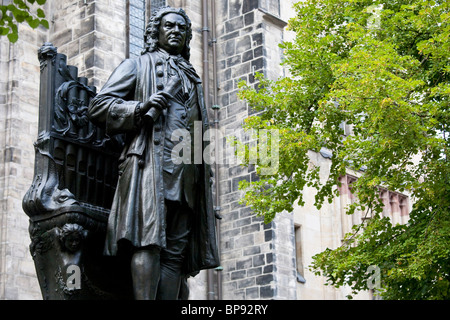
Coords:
162,211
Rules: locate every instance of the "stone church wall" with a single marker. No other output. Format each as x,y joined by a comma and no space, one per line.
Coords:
259,261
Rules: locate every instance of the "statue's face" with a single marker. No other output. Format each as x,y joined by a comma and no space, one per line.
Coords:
72,242
172,33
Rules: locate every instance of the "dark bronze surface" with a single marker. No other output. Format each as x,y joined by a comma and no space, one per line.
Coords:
104,170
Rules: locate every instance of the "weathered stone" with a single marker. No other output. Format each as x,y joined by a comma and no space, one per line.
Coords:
249,5
93,35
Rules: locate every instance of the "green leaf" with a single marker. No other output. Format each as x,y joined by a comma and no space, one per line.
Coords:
4,31
21,16
13,37
40,13
34,23
45,24
21,5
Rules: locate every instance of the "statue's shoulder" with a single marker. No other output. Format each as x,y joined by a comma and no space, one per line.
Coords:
146,59
136,63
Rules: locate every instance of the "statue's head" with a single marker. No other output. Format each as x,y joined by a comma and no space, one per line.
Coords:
170,29
71,236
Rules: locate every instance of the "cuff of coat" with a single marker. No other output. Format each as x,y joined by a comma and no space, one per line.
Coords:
121,117
152,114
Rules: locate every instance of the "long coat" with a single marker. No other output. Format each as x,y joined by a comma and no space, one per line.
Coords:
138,210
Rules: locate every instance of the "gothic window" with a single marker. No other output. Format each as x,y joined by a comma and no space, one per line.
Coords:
138,15
136,26
155,4
299,254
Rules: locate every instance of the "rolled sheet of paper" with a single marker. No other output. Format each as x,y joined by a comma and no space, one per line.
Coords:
171,88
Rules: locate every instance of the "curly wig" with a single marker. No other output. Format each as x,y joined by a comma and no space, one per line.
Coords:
152,31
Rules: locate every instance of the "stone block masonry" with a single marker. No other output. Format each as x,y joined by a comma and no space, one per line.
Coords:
257,258
92,35
19,100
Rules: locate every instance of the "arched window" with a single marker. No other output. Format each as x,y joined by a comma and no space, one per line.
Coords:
137,21
138,16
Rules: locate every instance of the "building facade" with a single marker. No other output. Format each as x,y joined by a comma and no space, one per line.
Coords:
233,39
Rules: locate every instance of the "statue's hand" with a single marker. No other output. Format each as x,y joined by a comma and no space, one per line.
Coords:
157,100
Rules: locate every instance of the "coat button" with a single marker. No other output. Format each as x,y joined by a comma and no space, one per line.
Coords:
141,163
159,62
160,73
157,142
160,86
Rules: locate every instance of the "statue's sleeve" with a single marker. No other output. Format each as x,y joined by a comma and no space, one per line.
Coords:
114,107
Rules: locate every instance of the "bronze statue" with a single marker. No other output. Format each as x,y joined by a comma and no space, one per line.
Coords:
162,212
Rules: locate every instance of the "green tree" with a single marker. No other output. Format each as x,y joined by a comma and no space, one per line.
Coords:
381,67
19,11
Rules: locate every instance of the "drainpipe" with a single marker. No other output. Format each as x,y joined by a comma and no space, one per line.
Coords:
216,108
205,39
213,280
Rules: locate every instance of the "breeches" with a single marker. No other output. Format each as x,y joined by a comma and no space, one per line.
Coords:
178,219
178,227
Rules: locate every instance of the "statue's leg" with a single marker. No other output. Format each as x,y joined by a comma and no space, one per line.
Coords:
172,257
170,281
145,272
